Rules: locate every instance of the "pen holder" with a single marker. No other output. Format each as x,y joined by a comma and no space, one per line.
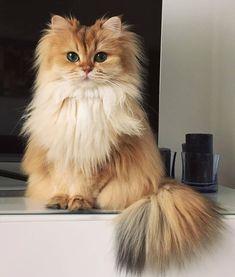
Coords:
199,170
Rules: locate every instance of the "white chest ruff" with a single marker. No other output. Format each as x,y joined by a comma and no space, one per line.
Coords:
81,133
80,126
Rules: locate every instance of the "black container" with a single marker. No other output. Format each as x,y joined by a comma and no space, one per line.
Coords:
199,164
199,143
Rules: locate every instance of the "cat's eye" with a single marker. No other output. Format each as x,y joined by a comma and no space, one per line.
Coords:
100,57
73,57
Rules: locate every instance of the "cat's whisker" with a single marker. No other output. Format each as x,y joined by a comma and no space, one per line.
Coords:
121,86
100,75
72,75
74,78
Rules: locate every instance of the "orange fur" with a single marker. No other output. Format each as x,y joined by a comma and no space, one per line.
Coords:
90,145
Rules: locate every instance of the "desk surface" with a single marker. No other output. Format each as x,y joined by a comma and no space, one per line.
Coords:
21,205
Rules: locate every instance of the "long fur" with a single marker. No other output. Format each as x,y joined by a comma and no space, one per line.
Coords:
90,146
169,228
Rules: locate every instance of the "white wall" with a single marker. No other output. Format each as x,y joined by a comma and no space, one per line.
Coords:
197,92
223,122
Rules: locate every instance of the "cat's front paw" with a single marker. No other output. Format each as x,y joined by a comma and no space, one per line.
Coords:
59,201
77,202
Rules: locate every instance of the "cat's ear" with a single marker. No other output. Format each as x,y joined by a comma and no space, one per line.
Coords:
61,23
113,24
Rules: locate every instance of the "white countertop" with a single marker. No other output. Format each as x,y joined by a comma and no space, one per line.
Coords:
21,205
225,197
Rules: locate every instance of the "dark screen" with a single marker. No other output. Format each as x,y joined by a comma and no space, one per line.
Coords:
20,25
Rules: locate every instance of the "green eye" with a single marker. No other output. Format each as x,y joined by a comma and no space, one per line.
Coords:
73,57
100,57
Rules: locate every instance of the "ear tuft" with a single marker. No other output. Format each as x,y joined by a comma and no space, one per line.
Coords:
59,23
113,24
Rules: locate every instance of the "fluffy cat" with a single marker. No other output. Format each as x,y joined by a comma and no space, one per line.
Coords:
90,146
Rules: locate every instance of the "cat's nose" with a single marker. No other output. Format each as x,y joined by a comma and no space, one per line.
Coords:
87,69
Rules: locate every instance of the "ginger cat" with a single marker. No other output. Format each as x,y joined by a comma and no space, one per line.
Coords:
90,145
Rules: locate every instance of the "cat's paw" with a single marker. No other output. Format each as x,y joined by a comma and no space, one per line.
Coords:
77,202
59,201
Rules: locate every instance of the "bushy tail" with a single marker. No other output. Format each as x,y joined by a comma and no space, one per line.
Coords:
167,228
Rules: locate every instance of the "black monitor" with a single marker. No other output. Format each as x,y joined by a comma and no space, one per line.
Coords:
21,23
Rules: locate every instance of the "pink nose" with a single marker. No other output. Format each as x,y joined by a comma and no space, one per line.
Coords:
87,69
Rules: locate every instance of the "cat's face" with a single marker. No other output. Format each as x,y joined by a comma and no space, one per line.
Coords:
104,53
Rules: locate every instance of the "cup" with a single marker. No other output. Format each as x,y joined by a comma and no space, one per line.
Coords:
168,159
199,170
